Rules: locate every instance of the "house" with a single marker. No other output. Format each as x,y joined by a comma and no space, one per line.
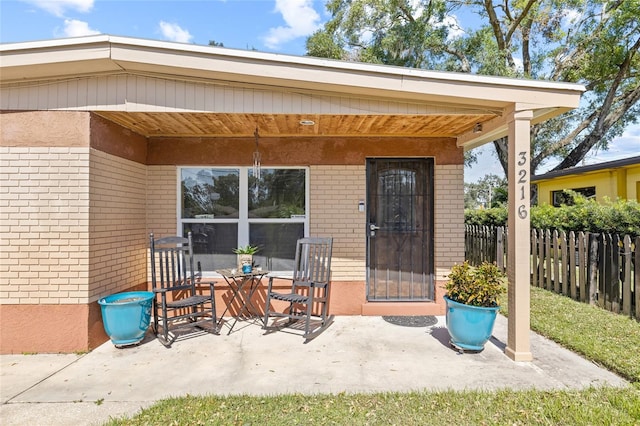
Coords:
611,179
105,139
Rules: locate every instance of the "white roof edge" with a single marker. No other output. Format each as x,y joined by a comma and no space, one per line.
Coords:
55,42
292,59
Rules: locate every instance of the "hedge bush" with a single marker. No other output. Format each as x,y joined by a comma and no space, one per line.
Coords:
615,217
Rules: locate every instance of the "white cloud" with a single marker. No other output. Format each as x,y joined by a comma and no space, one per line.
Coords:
59,7
300,18
75,28
519,64
455,30
174,32
624,146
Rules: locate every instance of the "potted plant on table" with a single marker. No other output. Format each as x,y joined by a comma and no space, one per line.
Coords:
472,304
245,257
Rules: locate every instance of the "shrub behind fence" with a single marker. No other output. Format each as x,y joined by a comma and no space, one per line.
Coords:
599,269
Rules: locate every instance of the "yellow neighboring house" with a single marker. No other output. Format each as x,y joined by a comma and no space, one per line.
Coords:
613,179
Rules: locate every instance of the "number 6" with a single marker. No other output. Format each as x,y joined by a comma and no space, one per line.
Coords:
522,211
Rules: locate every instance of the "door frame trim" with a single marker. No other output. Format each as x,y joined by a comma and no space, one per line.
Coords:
430,244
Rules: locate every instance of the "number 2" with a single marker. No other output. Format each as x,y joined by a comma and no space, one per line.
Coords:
523,176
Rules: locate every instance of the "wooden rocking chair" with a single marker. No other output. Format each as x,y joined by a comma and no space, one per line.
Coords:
308,295
177,304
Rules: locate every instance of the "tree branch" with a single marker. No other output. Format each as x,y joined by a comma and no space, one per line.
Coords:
611,94
514,24
495,24
571,137
579,152
464,61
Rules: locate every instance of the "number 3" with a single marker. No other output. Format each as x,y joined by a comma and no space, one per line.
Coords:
523,158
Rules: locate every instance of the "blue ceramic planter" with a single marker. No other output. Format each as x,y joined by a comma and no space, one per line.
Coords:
470,327
126,316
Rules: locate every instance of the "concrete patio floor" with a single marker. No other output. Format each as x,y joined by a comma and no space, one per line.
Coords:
355,354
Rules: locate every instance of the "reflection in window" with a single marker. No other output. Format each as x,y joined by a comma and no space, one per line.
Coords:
566,197
213,243
210,193
278,243
225,208
280,193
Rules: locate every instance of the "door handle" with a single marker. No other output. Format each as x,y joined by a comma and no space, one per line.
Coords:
373,227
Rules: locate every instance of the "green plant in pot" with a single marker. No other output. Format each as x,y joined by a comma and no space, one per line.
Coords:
473,301
245,256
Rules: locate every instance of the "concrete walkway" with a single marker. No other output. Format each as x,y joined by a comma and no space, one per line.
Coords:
356,354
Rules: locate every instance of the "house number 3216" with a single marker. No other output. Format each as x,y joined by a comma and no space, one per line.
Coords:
523,210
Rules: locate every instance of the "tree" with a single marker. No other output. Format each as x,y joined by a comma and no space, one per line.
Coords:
593,42
490,191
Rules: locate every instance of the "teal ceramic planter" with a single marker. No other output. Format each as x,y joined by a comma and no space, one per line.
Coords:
470,327
126,316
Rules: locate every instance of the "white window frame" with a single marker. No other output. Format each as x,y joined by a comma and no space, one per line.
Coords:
243,220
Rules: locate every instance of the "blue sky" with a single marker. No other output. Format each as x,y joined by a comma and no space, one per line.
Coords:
278,26
267,25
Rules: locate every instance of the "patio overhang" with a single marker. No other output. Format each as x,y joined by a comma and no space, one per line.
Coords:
341,98
160,89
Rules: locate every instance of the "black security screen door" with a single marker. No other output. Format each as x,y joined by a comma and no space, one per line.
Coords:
400,229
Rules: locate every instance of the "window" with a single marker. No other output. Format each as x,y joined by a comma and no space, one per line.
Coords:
228,207
565,197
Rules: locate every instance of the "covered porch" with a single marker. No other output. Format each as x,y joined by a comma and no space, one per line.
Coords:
97,131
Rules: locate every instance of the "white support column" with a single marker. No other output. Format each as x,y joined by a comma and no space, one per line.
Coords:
518,260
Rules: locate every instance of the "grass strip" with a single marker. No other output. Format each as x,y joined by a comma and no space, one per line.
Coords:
608,339
601,406
605,338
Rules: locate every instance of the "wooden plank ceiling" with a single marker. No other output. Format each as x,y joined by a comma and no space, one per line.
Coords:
194,124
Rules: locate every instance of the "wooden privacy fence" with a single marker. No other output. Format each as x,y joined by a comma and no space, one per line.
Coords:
600,269
486,243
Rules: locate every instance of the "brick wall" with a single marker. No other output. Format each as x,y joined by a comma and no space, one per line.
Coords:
44,223
335,192
449,218
117,224
50,206
161,200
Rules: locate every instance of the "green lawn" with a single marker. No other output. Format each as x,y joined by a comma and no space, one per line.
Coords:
607,339
610,340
